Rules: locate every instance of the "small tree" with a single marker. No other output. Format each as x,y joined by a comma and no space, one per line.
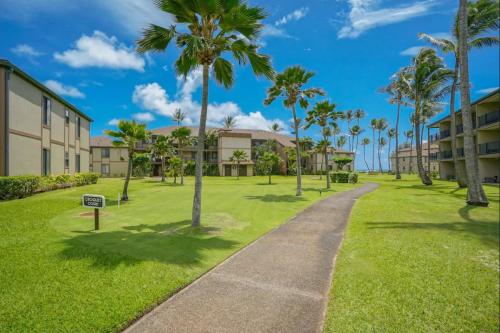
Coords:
238,157
342,161
141,165
267,162
229,122
163,148
183,137
128,135
178,116
175,167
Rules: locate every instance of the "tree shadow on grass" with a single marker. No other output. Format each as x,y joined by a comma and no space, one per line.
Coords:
275,198
487,232
172,243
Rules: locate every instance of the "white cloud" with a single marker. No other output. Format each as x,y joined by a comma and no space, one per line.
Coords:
64,90
487,90
411,51
363,16
26,50
153,98
113,122
293,16
145,117
272,31
101,51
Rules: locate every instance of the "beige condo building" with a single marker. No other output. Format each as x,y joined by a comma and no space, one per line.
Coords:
40,132
315,163
486,123
106,159
408,159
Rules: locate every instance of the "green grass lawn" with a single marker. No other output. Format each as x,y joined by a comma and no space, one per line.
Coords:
57,274
417,259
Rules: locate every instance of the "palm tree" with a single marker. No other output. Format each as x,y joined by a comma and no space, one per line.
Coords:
341,141
358,115
163,148
381,126
229,122
178,116
290,86
397,91
427,81
365,142
482,19
409,136
391,133
204,31
129,133
267,161
355,132
183,137
238,157
475,191
320,148
348,116
373,125
320,115
335,131
381,144
276,127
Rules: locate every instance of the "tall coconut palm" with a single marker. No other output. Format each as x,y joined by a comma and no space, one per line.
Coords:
358,115
276,127
342,140
238,157
382,142
355,132
391,133
409,137
475,191
229,122
381,127
482,19
163,148
128,135
365,142
183,137
373,125
428,84
348,116
320,147
205,31
397,91
335,131
319,115
290,86
178,116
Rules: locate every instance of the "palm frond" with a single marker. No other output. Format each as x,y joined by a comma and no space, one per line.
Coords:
155,38
223,72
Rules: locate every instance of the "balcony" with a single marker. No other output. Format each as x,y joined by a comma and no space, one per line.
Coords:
445,134
460,129
489,148
433,156
460,152
445,155
434,137
489,118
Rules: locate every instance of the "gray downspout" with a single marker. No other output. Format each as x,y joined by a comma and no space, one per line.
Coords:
6,139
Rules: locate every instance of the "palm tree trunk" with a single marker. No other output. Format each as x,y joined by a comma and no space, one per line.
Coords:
364,158
127,178
459,174
182,170
398,173
373,150
429,150
475,192
410,164
297,149
163,169
328,186
378,153
196,214
424,177
389,154
238,170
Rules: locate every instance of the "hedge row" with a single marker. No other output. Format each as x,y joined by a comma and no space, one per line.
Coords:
344,177
16,187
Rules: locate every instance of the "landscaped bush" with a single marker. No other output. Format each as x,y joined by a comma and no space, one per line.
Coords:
344,177
16,187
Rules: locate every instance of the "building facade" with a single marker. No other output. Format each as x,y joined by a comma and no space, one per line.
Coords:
486,122
106,159
40,132
408,159
315,163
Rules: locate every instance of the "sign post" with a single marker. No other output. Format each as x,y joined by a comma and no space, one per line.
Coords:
94,201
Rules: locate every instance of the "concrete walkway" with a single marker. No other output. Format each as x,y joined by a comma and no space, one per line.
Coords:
279,283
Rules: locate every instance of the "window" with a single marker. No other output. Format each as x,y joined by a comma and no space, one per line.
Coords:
46,111
105,169
77,163
105,152
78,123
66,160
66,116
45,162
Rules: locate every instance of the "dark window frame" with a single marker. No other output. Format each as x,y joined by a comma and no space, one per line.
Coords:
77,163
45,161
78,124
46,111
103,155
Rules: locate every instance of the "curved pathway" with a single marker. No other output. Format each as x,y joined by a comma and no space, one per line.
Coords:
279,283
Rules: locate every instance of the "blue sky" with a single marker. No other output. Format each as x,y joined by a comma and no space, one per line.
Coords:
84,50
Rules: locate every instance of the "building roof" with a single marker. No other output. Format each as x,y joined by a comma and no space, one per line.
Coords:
414,150
14,69
101,141
477,101
282,139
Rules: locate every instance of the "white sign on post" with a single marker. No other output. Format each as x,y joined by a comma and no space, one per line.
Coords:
94,201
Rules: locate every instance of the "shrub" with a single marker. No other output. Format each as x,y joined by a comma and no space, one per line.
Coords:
16,187
344,177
